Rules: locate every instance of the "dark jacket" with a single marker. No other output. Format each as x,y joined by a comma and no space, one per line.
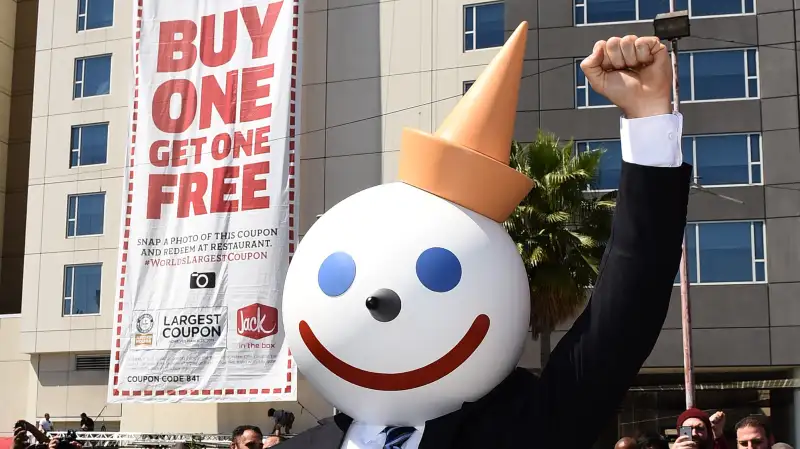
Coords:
594,364
89,423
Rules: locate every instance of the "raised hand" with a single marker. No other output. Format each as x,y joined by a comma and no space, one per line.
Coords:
20,438
633,72
718,424
684,442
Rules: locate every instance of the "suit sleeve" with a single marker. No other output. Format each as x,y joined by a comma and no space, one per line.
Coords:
595,363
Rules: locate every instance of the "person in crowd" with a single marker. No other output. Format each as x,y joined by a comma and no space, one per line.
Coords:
54,444
87,424
28,436
705,435
652,440
781,446
626,443
247,437
754,432
283,420
46,425
272,440
718,426
21,440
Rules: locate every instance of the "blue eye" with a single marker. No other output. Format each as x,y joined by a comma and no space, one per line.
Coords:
438,269
336,274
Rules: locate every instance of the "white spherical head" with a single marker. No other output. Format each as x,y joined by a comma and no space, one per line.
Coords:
400,306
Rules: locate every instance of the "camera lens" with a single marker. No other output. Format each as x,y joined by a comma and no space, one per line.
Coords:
201,280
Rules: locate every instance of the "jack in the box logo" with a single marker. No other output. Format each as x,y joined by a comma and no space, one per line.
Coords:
257,321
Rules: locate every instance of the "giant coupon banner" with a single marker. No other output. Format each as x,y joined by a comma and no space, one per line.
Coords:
209,209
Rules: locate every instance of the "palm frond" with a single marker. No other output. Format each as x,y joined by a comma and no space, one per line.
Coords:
557,217
584,240
560,230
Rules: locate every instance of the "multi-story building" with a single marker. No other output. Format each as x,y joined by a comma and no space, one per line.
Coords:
371,68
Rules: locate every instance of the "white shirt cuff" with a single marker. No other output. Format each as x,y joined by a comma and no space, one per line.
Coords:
654,141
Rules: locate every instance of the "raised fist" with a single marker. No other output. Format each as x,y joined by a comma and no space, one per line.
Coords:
633,72
718,424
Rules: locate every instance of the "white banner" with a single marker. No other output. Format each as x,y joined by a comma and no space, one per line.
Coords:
209,212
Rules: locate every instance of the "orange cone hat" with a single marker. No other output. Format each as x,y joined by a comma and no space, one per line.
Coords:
466,161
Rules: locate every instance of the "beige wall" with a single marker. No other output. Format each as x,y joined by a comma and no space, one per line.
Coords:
66,393
363,62
47,249
17,37
16,376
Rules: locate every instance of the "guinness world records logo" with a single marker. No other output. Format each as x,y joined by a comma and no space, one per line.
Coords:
145,323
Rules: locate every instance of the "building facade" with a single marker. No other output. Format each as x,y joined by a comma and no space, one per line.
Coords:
371,68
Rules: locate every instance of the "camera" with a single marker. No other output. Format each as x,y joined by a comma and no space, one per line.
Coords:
65,442
203,280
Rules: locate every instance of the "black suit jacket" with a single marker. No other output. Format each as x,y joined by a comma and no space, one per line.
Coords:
595,363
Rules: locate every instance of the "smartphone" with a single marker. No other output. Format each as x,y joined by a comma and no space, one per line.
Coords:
685,431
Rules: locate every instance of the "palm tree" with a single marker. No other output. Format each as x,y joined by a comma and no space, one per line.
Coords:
560,230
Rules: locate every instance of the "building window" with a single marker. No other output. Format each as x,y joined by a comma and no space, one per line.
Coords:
85,214
88,145
484,26
585,96
724,160
728,252
717,160
94,14
467,85
610,163
92,76
712,75
704,8
718,75
610,11
82,289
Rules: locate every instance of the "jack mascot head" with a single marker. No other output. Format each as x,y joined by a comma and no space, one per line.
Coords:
408,299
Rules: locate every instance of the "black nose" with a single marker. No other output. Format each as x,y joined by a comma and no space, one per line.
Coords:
383,305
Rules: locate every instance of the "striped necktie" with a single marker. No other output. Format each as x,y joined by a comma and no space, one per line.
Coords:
397,436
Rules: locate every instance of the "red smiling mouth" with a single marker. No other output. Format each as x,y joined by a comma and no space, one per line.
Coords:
399,381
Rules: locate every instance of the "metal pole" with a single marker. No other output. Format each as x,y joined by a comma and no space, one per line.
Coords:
686,311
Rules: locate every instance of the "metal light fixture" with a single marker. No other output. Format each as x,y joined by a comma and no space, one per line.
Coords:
670,26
